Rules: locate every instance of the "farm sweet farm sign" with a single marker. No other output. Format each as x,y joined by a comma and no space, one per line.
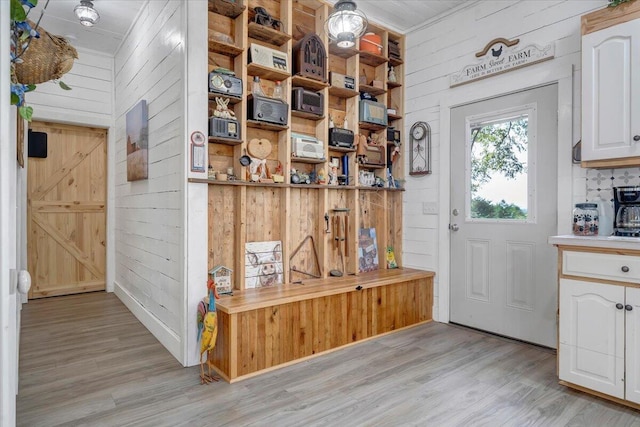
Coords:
499,56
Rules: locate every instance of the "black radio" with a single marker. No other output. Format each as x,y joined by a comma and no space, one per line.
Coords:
224,128
307,101
225,84
339,137
267,109
393,136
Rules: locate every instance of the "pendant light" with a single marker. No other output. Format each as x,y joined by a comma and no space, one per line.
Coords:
346,23
85,12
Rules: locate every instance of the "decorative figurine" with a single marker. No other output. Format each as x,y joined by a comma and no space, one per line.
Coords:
207,330
392,75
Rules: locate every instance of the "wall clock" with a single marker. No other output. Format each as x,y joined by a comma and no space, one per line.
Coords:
420,149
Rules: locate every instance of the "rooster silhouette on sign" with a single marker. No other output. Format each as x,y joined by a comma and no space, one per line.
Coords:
497,53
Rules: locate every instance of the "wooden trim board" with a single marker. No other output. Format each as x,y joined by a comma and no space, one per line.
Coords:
610,16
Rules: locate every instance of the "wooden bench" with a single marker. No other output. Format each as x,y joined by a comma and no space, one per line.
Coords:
268,328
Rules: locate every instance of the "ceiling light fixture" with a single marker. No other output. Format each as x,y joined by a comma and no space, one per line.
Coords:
85,12
346,23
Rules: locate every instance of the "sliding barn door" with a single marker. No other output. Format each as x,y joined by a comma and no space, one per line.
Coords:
66,211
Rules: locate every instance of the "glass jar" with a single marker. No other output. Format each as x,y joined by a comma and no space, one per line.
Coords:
585,219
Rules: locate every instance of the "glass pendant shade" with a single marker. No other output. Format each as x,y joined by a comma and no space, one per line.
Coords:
85,12
346,24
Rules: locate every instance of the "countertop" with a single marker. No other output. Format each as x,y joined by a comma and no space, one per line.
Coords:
609,242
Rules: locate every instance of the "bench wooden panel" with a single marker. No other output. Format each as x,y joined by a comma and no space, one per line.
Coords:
262,329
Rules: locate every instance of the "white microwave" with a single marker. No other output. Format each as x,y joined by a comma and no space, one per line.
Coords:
306,146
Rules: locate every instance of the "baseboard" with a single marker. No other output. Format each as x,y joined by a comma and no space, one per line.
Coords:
169,339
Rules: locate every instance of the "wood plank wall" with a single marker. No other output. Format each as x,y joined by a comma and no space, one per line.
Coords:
445,46
149,213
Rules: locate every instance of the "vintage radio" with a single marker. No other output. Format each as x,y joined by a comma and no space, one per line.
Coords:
268,57
224,128
342,81
339,137
373,112
394,49
306,100
393,136
310,58
225,84
374,155
267,109
306,146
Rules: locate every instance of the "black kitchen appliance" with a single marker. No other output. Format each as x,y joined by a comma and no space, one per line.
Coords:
627,211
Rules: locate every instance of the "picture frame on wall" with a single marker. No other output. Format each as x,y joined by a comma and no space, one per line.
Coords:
137,125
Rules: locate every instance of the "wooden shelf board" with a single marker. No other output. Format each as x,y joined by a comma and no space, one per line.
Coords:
232,99
395,62
394,116
226,8
224,48
372,90
372,59
265,125
393,85
308,83
342,149
266,72
341,92
306,160
237,183
316,186
371,126
366,188
371,166
345,53
267,34
306,115
225,141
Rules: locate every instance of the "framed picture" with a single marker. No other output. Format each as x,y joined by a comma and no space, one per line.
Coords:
137,123
263,264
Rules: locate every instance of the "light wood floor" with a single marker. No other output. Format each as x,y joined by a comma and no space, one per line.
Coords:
85,360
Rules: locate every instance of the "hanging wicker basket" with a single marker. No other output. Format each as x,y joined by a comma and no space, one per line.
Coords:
47,58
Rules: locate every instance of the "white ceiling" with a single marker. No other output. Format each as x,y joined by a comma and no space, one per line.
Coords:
116,17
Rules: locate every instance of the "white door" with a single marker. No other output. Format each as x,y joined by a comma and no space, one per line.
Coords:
503,208
591,352
610,92
632,320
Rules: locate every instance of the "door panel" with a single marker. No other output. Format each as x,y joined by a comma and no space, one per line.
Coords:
503,201
592,336
66,211
632,321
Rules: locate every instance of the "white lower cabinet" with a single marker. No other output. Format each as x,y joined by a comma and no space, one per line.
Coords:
599,333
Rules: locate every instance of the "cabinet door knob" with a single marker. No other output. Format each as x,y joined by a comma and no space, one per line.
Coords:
619,306
636,138
628,307
625,269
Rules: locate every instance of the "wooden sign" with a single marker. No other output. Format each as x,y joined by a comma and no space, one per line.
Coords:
499,56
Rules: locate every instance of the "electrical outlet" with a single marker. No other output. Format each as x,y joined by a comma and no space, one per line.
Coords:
429,208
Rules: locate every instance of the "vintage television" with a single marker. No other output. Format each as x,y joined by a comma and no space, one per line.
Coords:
306,100
266,109
339,137
306,146
310,58
373,112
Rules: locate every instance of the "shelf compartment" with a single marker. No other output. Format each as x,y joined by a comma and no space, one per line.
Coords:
306,115
307,160
267,34
394,116
254,69
225,141
224,48
393,85
372,59
395,62
371,126
308,83
342,149
226,8
232,99
341,92
345,53
256,124
372,90
371,166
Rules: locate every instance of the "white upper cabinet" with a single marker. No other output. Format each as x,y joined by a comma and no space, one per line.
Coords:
611,92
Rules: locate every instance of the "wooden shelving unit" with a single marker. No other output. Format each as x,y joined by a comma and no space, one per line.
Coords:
371,126
265,125
266,73
232,99
341,92
225,141
372,59
226,8
308,83
224,48
375,91
267,34
306,115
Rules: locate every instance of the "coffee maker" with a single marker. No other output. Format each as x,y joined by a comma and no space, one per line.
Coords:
627,207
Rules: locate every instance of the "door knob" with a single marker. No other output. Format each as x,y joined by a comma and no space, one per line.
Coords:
628,307
24,282
454,227
636,138
619,306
